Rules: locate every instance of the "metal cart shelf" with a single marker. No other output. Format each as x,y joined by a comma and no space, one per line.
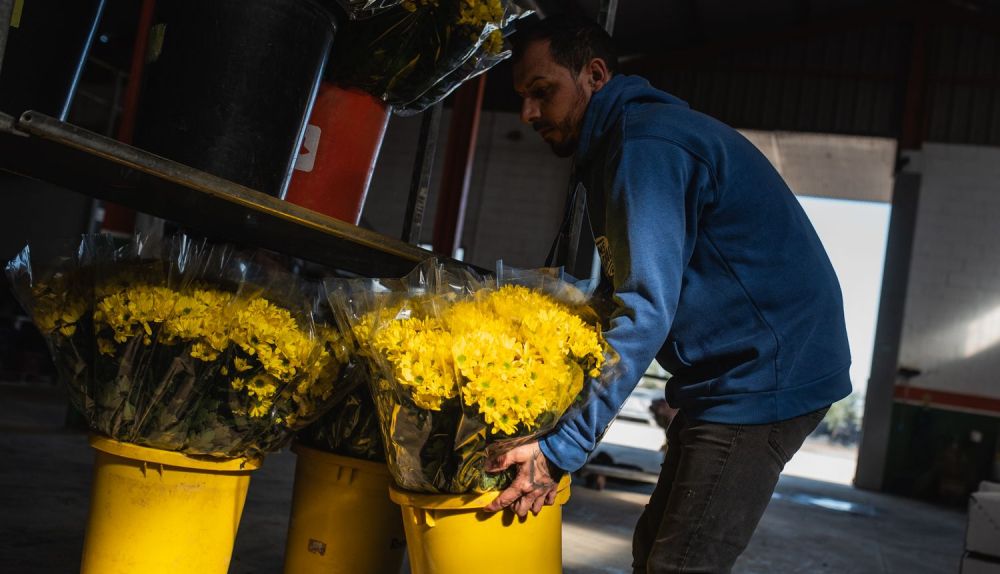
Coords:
44,148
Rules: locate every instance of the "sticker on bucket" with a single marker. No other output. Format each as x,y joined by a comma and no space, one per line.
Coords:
317,547
307,154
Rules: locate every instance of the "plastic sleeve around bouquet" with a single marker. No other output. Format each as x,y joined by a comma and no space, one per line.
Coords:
197,347
464,368
59,299
350,427
361,9
416,53
478,63
593,309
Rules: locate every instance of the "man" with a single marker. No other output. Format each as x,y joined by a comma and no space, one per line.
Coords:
716,273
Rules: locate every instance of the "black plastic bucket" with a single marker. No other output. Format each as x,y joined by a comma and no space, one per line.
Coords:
229,85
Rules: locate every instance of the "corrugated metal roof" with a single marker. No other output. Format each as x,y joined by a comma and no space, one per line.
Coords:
829,66
849,82
963,95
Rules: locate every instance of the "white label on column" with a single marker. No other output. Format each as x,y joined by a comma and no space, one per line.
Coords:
307,153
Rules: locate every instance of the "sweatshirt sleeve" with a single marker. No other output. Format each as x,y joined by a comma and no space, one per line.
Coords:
652,204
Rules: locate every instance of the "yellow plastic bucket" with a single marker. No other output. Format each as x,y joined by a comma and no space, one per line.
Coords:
450,534
154,511
342,519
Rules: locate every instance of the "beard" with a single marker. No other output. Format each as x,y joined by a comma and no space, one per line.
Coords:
568,127
564,148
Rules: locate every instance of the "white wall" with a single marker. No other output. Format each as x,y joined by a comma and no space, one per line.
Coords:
951,327
516,192
523,195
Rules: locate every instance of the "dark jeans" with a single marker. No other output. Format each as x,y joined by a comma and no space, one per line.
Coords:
715,483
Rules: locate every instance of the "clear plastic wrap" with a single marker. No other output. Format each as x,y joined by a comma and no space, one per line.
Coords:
478,63
464,368
361,9
414,54
185,345
351,427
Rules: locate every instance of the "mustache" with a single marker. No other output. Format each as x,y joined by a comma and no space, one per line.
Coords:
540,125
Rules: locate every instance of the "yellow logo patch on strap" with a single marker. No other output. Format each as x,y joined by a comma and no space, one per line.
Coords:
15,15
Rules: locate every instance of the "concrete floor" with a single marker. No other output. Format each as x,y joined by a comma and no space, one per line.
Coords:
810,526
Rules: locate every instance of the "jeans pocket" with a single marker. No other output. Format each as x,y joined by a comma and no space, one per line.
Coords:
774,441
786,437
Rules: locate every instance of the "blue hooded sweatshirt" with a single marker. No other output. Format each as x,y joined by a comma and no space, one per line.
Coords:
714,268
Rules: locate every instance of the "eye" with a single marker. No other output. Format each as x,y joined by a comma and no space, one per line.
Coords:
540,93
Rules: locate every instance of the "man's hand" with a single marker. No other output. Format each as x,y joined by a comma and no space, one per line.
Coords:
534,485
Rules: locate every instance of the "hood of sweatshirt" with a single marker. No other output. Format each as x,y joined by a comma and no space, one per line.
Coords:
609,103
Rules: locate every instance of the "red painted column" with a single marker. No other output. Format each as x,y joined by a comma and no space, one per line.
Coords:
459,155
118,218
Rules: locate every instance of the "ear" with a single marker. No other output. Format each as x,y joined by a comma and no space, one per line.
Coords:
597,74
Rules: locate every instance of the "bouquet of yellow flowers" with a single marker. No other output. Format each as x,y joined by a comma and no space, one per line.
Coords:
185,345
464,369
416,52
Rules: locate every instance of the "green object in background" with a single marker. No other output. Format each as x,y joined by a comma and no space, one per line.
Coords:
939,455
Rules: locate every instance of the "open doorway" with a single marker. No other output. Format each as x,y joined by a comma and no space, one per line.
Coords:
854,234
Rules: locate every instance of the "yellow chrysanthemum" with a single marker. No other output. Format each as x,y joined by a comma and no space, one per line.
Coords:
275,350
261,408
515,354
473,17
483,14
105,347
271,335
418,350
56,309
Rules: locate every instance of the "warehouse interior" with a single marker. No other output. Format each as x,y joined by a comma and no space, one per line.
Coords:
880,105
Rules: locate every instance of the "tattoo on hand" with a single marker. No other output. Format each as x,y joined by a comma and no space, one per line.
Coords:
535,471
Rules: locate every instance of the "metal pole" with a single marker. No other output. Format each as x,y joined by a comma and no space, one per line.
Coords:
118,218
82,61
423,165
606,18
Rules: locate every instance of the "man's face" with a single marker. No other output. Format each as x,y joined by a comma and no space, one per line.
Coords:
554,98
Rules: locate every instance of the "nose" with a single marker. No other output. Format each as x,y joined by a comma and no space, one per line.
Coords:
529,111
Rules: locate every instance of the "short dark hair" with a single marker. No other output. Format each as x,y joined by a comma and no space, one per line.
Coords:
573,41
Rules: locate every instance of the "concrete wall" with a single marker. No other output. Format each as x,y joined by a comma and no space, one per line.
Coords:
951,327
516,192
832,166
